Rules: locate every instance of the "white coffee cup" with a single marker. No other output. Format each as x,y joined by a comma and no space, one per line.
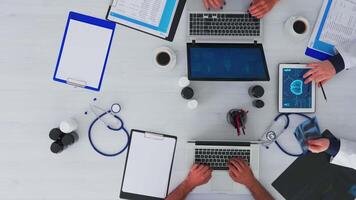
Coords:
297,27
164,58
68,126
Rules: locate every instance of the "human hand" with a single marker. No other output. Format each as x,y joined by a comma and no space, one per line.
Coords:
240,172
318,145
259,8
214,4
198,175
321,72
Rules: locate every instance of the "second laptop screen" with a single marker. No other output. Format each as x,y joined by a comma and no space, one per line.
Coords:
227,63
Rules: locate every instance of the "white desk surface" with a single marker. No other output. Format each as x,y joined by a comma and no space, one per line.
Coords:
32,104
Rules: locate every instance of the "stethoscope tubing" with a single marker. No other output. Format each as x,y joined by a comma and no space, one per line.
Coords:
285,127
113,129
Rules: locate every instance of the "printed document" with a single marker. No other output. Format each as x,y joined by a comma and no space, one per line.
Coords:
151,16
147,11
340,24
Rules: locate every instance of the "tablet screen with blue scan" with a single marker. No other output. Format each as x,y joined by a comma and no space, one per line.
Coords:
226,62
296,94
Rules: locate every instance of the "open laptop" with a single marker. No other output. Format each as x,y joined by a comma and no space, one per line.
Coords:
216,154
225,45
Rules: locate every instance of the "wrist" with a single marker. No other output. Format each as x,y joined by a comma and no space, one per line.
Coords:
252,183
334,147
188,186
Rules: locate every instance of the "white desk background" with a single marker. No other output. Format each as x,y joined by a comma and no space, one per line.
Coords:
32,104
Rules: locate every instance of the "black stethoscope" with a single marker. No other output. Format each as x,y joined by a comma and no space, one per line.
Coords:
271,135
114,110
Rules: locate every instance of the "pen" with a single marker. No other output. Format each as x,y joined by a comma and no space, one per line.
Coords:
238,125
242,127
322,89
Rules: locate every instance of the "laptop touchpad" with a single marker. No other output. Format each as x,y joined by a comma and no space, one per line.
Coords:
221,182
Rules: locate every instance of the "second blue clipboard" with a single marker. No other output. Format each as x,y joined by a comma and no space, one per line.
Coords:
84,51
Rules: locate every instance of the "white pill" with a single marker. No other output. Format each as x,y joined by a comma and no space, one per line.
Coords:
193,104
183,82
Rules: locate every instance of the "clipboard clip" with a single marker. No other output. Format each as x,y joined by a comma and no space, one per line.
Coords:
154,136
76,83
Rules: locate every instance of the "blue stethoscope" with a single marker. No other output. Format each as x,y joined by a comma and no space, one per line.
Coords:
114,110
271,135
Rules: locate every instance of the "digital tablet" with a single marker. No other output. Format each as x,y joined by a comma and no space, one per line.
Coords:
294,95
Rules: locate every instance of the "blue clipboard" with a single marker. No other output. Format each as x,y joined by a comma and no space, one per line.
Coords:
84,28
316,54
317,48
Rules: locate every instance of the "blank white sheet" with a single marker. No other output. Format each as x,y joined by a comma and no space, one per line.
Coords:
84,53
148,165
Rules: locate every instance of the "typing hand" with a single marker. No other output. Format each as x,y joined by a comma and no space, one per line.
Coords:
240,172
318,145
214,4
321,72
259,8
198,175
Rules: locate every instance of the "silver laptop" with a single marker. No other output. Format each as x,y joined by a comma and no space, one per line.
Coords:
233,24
216,154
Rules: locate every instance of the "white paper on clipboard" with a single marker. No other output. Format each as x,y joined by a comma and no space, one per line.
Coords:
84,53
148,165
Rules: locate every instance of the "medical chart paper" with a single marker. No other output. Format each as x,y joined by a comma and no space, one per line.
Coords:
149,12
336,24
340,24
152,16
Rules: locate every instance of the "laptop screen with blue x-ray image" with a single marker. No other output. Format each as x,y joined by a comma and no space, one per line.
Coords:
226,62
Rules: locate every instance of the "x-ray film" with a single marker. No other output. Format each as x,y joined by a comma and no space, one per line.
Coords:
307,130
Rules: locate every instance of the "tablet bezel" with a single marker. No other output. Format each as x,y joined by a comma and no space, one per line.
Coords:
280,93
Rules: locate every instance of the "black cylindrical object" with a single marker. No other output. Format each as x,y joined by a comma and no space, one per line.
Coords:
57,147
56,134
69,138
187,93
258,103
256,91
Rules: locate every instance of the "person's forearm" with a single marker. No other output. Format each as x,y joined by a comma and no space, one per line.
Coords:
181,192
259,192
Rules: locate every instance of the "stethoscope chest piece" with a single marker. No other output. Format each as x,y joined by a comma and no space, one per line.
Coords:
115,108
271,136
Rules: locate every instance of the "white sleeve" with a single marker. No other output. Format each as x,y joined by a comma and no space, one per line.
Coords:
348,52
347,154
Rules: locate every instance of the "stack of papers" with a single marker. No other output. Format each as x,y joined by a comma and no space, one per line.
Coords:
336,24
154,17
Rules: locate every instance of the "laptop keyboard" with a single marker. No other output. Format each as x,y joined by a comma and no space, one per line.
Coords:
218,159
220,24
